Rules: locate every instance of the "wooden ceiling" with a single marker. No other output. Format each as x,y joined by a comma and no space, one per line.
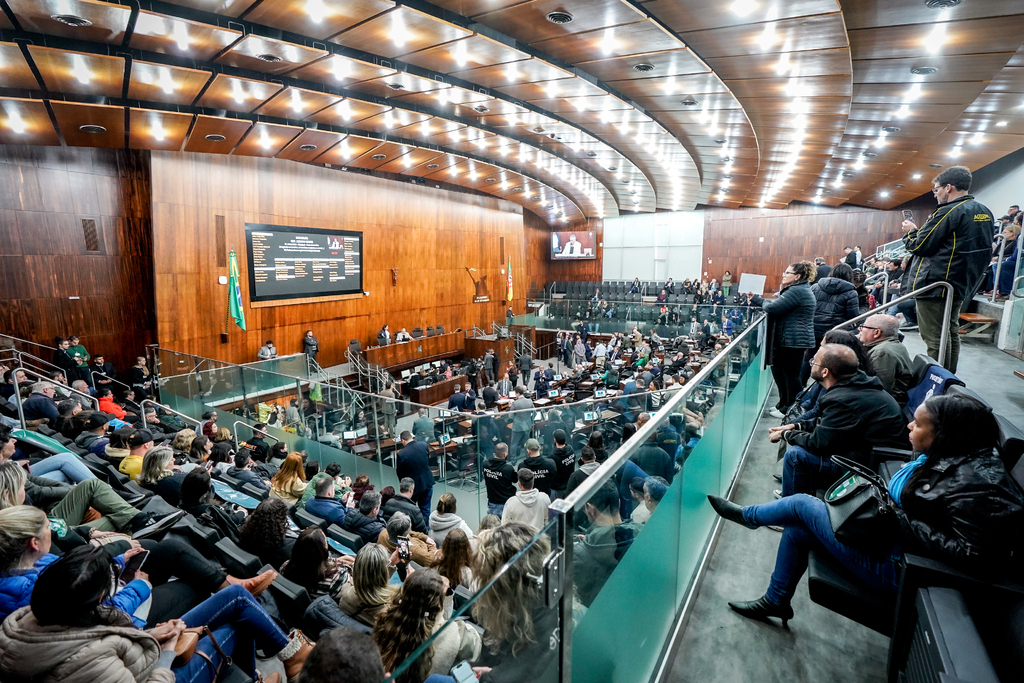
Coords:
573,108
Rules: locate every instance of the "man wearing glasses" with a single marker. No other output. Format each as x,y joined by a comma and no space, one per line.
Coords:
954,245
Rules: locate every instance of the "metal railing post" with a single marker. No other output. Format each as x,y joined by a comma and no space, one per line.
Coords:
999,267
42,378
161,406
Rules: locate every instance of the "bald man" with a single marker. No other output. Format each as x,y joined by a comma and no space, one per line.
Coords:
889,357
856,414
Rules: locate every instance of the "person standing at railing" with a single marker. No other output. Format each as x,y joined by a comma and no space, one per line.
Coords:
310,345
954,245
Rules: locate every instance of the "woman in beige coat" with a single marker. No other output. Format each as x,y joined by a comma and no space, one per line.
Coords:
70,634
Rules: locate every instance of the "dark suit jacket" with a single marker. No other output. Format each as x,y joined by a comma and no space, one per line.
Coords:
414,462
402,504
457,401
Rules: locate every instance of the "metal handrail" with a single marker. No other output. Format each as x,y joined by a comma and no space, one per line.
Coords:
885,287
161,406
999,266
1013,287
20,355
913,295
607,470
93,373
43,378
234,430
26,341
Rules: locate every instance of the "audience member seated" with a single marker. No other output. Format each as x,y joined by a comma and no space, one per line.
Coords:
117,448
889,357
421,547
65,468
343,655
242,470
222,457
588,464
454,560
325,505
365,520
68,633
518,628
139,441
40,404
954,503
649,495
367,591
289,483
182,443
443,520
544,469
856,414
653,459
414,614
26,541
160,476
70,504
529,506
342,485
604,544
108,405
403,502
66,411
94,437
311,565
263,533
197,499
500,478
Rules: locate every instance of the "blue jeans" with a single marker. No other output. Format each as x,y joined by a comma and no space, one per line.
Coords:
240,626
63,467
495,509
807,526
804,472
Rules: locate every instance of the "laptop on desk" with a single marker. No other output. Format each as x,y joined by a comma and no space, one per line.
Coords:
600,393
349,436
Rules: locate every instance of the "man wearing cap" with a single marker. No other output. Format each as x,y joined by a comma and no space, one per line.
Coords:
94,438
544,469
140,441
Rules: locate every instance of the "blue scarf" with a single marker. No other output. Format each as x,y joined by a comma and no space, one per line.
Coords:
899,480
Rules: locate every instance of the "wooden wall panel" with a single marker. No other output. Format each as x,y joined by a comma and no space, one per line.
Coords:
541,269
50,286
733,237
430,235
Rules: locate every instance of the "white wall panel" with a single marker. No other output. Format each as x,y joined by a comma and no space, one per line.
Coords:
632,243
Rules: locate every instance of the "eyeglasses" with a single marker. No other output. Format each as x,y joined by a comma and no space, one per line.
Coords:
867,327
814,362
936,188
788,272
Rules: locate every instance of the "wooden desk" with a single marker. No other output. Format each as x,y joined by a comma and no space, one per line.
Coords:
435,393
417,351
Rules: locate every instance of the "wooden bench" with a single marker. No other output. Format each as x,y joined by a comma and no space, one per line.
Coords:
977,325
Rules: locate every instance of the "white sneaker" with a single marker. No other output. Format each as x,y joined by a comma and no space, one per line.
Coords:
775,412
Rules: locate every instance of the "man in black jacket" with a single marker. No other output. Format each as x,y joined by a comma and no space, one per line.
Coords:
366,520
500,478
544,469
565,462
257,444
403,503
856,414
955,246
414,462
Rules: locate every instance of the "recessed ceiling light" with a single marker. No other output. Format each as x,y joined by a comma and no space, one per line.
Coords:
559,17
626,182
899,185
826,191
688,102
550,206
941,4
517,188
92,129
490,180
216,137
884,193
726,160
307,148
395,86
591,154
848,175
868,155
613,168
721,141
267,57
433,166
71,20
934,165
643,67
869,202
378,157
890,129
727,177
1001,123
916,176
924,70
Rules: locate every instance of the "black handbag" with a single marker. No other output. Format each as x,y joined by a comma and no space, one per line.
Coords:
862,513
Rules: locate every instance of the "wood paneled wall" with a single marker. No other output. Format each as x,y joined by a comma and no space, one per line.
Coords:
542,269
50,285
765,241
431,236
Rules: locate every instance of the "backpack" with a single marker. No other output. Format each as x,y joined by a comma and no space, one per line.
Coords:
219,520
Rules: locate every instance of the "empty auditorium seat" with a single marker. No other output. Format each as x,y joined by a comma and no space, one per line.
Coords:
236,561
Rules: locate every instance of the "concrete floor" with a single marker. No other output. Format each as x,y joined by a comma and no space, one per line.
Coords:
718,645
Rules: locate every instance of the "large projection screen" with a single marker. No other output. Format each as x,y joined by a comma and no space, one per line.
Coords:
288,262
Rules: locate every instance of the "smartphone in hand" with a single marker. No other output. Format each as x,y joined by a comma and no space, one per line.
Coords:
131,567
908,215
404,554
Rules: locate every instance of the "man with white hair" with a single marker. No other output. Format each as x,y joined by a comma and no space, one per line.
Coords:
40,403
889,357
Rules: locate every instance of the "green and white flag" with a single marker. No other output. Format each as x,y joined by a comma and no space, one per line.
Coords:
234,291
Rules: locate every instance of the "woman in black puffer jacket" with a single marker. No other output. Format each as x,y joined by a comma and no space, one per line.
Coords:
790,330
836,298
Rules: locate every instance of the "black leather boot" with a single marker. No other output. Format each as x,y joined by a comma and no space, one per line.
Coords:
761,609
730,511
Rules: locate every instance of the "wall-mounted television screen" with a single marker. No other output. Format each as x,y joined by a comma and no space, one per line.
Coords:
572,245
297,263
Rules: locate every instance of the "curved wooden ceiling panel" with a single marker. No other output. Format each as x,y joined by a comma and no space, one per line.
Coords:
603,106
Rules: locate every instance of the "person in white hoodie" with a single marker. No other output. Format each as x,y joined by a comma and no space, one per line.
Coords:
444,519
529,505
